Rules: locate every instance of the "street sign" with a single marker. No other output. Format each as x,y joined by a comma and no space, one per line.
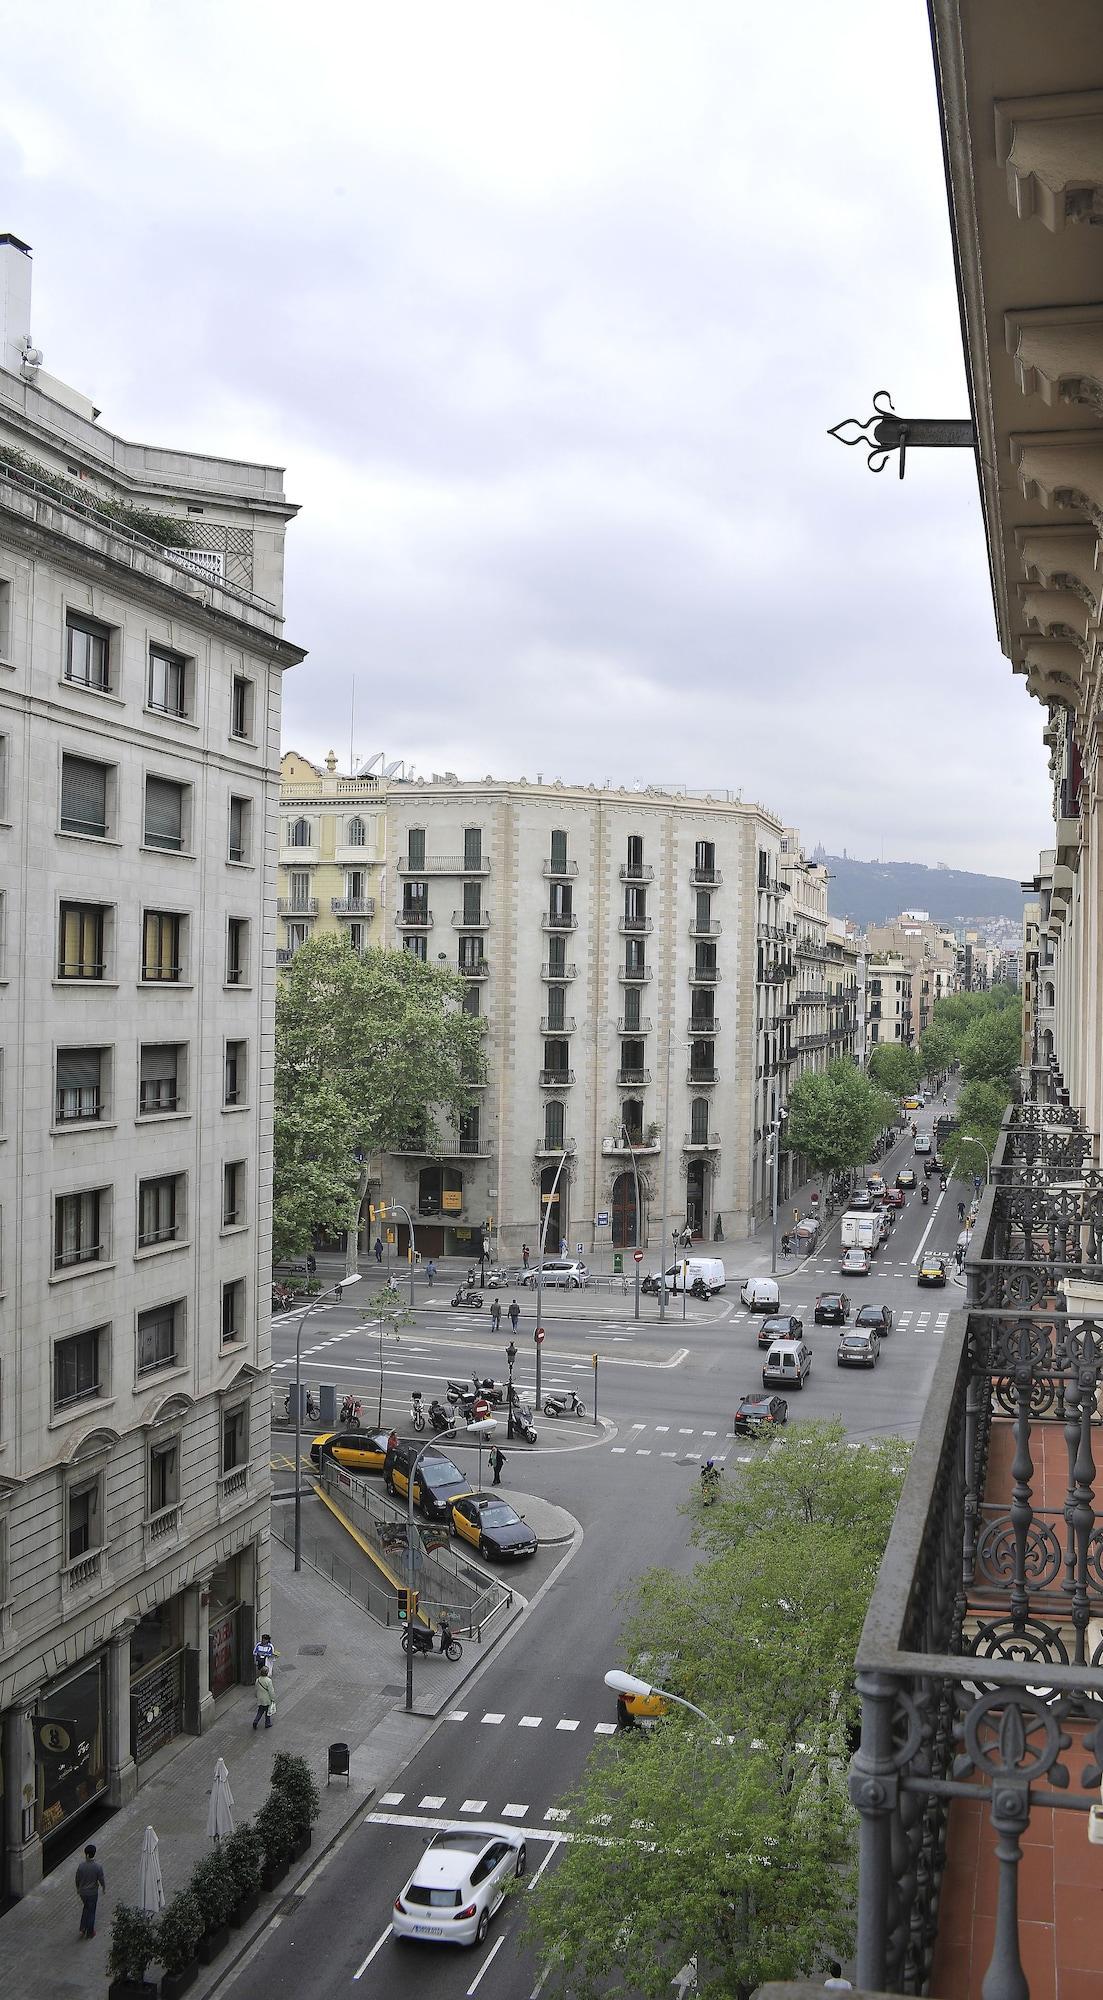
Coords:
637,1256
602,1220
481,1409
538,1336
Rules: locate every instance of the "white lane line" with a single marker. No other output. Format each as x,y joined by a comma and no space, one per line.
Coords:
683,1432
643,1451
530,1722
708,1434
605,1729
492,1715
639,1427
566,1725
456,1715
662,1427
618,1449
392,1798
553,1842
558,1812
473,1805
668,1454
487,1962
514,1812
431,1802
446,1825
362,1968
927,1231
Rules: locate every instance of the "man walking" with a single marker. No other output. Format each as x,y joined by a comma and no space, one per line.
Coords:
514,1314
495,1315
379,1249
497,1461
90,1880
264,1653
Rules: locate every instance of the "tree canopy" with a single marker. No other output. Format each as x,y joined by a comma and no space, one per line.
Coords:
937,1048
835,1115
372,1049
895,1067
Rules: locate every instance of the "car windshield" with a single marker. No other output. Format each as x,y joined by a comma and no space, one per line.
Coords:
855,1339
500,1516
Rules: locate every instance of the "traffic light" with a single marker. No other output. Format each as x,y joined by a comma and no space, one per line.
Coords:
408,1611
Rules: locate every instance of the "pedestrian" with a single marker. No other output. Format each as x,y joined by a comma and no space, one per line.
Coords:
265,1692
514,1314
263,1654
431,1272
311,1263
379,1249
497,1463
525,1255
495,1315
687,1238
90,1880
785,1244
392,1440
835,1978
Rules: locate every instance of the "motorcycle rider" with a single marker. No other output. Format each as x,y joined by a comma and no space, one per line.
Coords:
961,1211
924,1194
710,1481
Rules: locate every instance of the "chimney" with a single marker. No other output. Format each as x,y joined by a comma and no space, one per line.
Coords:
15,302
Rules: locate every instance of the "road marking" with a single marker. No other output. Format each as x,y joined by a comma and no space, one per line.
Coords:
668,1454
566,1725
605,1729
683,1433
619,1448
473,1805
662,1427
642,1452
530,1722
601,1819
430,1803
553,1843
445,1825
362,1968
558,1812
457,1715
493,1716
490,1956
708,1434
639,1427
392,1798
514,1812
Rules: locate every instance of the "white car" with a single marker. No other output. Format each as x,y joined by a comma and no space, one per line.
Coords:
855,1263
458,1884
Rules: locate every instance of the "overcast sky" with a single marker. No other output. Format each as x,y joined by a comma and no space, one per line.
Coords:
546,306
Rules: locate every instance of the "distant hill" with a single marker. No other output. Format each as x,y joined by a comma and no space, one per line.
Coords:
871,892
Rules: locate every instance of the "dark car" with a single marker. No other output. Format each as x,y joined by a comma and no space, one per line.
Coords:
779,1326
357,1451
858,1348
879,1318
932,1271
906,1177
932,1165
492,1526
438,1483
757,1413
832,1309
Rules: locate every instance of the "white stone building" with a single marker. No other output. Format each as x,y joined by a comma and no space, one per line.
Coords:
139,754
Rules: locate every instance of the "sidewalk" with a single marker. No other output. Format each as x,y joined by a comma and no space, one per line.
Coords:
340,1677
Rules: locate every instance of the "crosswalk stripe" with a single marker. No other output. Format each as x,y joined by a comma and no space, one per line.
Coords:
493,1715
392,1798
473,1806
605,1729
530,1722
431,1802
514,1811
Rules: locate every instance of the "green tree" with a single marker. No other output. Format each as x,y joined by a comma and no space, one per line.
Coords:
937,1049
894,1067
835,1115
980,1112
372,1049
991,1049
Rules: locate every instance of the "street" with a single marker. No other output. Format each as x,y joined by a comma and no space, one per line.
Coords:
523,1724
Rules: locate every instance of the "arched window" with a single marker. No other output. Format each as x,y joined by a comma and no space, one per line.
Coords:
300,833
1048,996
554,1114
356,833
699,1121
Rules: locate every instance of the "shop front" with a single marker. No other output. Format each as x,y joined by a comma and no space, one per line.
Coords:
157,1678
70,1744
230,1634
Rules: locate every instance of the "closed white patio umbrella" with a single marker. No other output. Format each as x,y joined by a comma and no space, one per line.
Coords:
151,1894
220,1816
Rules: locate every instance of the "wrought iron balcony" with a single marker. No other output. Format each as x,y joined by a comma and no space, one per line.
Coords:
980,1667
558,871
443,864
628,1076
709,1144
462,922
297,906
703,1024
636,926
564,1027
353,906
559,920
556,1079
555,973
627,1027
414,920
634,975
705,878
476,968
706,975
636,871
700,1078
614,1147
712,927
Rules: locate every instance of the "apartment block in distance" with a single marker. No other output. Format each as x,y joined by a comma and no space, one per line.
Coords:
630,955
141,655
332,849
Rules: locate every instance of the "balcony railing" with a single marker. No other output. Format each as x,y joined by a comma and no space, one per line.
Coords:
636,926
636,871
706,1143
634,975
702,1077
705,878
444,864
477,968
462,922
297,906
559,972
353,906
558,871
706,975
707,1024
980,1667
627,1075
627,1027
564,1027
559,920
556,1079
612,1148
414,920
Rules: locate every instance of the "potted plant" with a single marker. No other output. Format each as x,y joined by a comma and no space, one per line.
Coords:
131,1948
245,1858
276,1824
215,1891
179,1929
292,1776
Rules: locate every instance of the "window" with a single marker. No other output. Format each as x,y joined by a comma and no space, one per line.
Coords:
472,1000
234,1080
469,1131
237,951
80,1230
554,1121
559,849
5,618
418,946
471,952
700,1059
160,1079
84,797
472,903
704,910
160,1211
560,902
472,847
635,904
80,1085
241,708
557,957
84,1518
241,813
704,965
78,1366
298,889
166,683
82,934
635,960
416,853
635,854
632,1008
356,833
163,946
358,938
87,652
632,1061
160,1337
3,773
631,1112
415,902
557,1056
165,814
300,835
297,935
356,885
557,996
164,1476
704,858
235,1438
763,868
699,1121
233,1311
233,1194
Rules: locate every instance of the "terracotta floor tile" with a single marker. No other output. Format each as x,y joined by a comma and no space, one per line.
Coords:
1036,1888
1076,1983
1039,1957
1080,1928
950,1974
1074,1860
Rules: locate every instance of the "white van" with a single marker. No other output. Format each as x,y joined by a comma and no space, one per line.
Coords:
860,1229
711,1269
760,1295
787,1365
922,1142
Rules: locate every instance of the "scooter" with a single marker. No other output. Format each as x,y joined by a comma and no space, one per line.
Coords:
650,1286
698,1289
570,1404
467,1297
439,1417
419,1639
522,1421
924,1193
282,1298
352,1411
417,1414
311,1405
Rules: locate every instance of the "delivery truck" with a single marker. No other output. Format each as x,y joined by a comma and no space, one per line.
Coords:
861,1230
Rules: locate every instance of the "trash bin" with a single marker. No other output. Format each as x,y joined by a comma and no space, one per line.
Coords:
618,1264
338,1762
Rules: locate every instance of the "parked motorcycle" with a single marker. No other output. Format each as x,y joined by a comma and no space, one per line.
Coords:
419,1639
439,1417
567,1405
698,1289
352,1413
417,1414
311,1406
282,1298
466,1296
523,1422
650,1285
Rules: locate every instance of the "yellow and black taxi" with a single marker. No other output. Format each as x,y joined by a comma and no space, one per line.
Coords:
493,1527
645,1709
438,1482
932,1271
357,1451
906,1177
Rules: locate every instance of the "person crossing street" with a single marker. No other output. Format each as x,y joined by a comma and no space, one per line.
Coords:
514,1314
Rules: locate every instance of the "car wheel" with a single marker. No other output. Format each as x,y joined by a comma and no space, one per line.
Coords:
483,1927
484,1549
522,1858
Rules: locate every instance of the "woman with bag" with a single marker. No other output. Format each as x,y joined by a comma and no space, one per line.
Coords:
265,1692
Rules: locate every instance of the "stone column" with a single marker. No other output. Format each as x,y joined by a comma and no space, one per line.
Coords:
122,1772
24,1844
197,1626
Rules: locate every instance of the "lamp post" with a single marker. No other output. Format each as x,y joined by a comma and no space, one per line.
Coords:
548,1203
480,1430
967,1139
511,1358
352,1278
639,1212
622,1683
779,1120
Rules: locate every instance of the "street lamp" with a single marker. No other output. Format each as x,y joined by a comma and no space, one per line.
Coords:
622,1683
967,1139
351,1278
481,1430
639,1212
511,1359
779,1120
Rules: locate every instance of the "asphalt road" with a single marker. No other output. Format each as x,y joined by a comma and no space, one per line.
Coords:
523,1726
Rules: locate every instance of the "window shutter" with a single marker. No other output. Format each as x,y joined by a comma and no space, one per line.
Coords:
83,796
78,1069
159,1063
164,813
